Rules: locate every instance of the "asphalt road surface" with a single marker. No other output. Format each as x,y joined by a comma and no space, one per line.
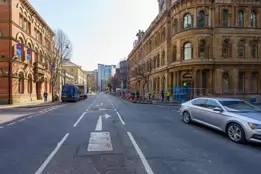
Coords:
106,135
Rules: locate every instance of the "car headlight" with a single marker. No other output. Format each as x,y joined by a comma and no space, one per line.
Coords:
254,126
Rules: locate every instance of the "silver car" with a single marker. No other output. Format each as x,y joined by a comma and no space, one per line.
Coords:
240,120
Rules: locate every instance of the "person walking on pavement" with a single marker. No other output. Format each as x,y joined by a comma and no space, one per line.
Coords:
162,95
149,94
45,96
168,95
153,95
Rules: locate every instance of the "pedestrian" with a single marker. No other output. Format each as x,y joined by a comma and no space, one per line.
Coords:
168,95
58,96
45,96
153,95
162,95
149,94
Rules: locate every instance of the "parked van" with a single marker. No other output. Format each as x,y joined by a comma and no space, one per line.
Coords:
70,93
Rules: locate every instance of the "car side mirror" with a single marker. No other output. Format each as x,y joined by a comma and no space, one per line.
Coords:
217,109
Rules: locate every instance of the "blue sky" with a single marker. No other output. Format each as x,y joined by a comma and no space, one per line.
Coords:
101,31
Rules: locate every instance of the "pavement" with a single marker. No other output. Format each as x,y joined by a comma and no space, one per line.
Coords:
107,135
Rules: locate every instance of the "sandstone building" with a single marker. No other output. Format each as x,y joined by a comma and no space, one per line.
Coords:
211,45
26,46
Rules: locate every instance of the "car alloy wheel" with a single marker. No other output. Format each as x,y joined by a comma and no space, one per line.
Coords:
236,133
186,117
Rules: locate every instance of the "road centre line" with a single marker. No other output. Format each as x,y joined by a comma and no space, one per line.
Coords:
76,123
122,122
142,157
49,158
111,103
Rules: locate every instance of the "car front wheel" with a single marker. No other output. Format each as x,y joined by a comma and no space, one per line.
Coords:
186,118
236,133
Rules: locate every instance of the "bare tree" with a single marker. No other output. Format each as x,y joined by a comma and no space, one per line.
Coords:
61,51
124,71
143,71
114,82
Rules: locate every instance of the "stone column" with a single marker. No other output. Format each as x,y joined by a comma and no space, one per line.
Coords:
174,79
166,82
218,81
209,17
195,18
178,78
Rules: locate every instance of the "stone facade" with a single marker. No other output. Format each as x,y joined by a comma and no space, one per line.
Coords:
211,45
26,43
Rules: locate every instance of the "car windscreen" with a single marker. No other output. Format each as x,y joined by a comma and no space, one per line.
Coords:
68,89
239,106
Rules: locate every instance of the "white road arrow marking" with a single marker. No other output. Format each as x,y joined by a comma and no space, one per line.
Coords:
99,122
101,104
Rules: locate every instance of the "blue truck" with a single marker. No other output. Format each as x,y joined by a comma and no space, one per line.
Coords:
70,93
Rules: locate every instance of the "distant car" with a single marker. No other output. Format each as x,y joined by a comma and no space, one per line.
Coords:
240,120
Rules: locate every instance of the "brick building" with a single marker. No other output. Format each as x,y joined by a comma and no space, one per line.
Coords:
26,44
211,45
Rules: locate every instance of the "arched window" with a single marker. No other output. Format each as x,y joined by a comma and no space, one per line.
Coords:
174,53
226,82
158,61
254,49
253,19
21,83
202,19
202,49
241,49
163,58
226,49
241,18
188,51
242,82
29,84
225,17
187,21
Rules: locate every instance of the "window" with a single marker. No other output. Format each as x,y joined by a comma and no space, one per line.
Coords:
238,106
21,21
226,49
255,82
174,53
188,51
241,49
202,49
25,25
211,104
175,26
187,21
253,19
200,102
1,34
202,19
21,83
242,82
226,82
241,18
225,18
254,51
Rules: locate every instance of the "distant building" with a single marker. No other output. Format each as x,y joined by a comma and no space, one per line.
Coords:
92,80
104,73
76,71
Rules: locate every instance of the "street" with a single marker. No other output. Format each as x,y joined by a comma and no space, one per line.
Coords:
106,135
